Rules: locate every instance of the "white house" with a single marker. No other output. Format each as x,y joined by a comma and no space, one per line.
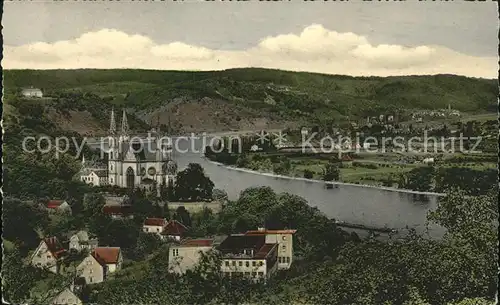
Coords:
154,225
48,254
249,256
94,177
99,264
80,241
284,239
32,92
186,255
428,160
66,297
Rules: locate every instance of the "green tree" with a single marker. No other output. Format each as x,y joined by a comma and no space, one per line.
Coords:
192,184
308,174
331,172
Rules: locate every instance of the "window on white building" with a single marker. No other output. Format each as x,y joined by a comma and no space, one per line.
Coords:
240,263
234,263
227,263
288,260
175,252
247,263
283,247
254,263
284,237
261,273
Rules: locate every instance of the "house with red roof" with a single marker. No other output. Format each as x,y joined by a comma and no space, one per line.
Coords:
58,206
154,225
99,264
48,254
174,230
185,255
118,211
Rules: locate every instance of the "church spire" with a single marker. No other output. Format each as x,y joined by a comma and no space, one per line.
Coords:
124,123
112,125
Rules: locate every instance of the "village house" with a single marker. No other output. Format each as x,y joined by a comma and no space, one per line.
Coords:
32,92
58,206
48,254
94,177
174,230
99,264
186,255
197,206
80,241
118,211
154,225
249,256
284,239
116,200
66,297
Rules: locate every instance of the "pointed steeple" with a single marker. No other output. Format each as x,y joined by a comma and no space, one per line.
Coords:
112,125
124,124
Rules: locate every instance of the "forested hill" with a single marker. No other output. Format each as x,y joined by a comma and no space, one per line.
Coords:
242,98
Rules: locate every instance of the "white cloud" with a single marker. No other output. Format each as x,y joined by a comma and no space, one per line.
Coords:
315,49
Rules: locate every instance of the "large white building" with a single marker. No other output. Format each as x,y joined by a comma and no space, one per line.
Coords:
135,162
31,92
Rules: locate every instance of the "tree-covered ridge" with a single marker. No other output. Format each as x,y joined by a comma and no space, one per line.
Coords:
284,92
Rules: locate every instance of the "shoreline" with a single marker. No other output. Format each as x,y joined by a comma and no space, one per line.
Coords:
384,188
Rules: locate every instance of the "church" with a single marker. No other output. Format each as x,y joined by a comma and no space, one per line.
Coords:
143,163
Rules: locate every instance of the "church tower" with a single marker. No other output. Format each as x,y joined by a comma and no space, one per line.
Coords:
124,135
113,152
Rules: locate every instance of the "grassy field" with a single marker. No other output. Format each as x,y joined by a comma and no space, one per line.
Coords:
386,165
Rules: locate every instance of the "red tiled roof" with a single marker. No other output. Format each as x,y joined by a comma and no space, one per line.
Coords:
264,232
197,243
106,255
174,228
54,246
117,209
54,204
160,222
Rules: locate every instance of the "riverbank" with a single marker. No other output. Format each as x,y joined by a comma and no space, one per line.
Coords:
268,174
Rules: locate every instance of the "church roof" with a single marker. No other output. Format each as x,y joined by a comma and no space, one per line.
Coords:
145,153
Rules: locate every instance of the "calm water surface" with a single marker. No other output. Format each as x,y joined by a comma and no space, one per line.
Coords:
353,204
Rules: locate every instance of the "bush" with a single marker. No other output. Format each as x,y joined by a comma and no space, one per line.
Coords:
308,174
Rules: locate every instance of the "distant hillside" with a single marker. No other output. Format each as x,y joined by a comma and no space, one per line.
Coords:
259,98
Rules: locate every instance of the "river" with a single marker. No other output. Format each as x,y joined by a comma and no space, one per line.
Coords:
353,204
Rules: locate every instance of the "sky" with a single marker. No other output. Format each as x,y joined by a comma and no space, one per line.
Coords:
354,38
